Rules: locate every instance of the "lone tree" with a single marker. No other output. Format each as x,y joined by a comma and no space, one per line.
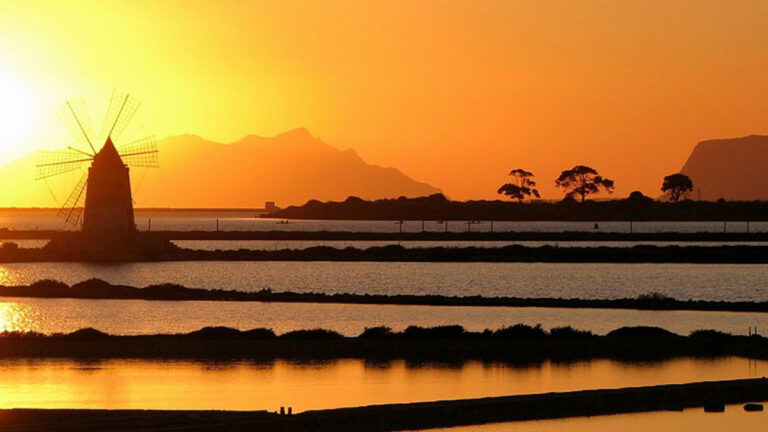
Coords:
582,181
677,185
522,185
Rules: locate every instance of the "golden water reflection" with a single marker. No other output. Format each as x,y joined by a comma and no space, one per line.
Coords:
695,419
9,277
20,317
319,385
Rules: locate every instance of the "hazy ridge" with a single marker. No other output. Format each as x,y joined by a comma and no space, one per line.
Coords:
289,168
733,169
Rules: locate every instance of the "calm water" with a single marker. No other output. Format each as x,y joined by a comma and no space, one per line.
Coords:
682,281
363,244
695,419
246,221
410,244
148,317
319,385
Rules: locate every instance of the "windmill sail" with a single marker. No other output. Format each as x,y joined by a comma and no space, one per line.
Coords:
140,153
121,109
51,164
72,210
74,115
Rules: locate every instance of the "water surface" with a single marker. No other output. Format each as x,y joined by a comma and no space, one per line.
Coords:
127,317
144,384
247,221
694,419
732,282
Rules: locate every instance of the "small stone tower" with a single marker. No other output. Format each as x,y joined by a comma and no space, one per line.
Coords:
108,202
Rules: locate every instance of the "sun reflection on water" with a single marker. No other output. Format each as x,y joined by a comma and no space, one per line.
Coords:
9,277
18,317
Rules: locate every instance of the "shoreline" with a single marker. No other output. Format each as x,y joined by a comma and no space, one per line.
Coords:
97,289
712,395
518,344
573,236
77,252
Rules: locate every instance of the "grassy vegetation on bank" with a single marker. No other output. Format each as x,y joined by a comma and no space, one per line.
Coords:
738,254
515,344
99,289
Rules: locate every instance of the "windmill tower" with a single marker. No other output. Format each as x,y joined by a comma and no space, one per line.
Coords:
101,201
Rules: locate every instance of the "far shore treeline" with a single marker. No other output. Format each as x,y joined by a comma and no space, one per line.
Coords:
437,207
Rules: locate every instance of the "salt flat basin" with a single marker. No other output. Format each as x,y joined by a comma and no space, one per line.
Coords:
131,317
694,419
246,221
144,384
730,282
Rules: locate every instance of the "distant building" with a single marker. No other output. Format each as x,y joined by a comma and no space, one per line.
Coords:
270,207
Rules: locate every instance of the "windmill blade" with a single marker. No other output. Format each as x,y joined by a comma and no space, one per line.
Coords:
72,210
140,153
74,115
51,164
121,109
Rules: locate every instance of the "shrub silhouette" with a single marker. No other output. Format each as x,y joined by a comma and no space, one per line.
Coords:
380,332
449,331
260,333
88,333
216,333
520,331
641,331
569,332
316,334
710,334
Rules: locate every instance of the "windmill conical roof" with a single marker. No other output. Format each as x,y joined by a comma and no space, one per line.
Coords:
108,154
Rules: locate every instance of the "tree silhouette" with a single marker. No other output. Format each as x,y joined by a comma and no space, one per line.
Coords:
582,180
678,185
522,186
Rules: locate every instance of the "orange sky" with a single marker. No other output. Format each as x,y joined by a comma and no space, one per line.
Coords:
454,93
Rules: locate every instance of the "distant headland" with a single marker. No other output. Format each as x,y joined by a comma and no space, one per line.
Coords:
733,169
437,207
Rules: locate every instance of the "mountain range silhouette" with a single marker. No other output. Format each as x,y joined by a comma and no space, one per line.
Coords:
290,168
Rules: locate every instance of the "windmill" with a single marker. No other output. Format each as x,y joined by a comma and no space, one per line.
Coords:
101,199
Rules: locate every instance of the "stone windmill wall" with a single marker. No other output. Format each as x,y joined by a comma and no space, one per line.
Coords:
108,202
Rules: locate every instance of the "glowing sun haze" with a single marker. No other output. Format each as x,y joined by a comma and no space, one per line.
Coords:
453,93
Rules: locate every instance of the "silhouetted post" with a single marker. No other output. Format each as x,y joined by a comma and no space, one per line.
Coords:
747,227
724,226
491,226
422,225
282,410
401,226
469,226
